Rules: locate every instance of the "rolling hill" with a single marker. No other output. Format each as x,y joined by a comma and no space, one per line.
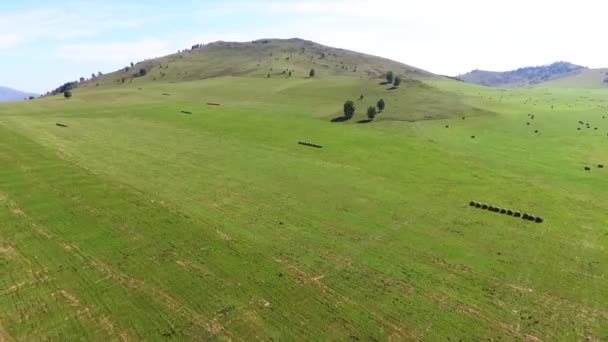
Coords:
11,95
523,77
178,205
588,78
340,75
261,58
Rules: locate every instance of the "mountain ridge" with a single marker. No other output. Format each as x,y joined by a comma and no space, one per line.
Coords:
11,95
522,77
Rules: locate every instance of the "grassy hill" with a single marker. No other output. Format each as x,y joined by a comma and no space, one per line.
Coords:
589,78
154,215
259,59
522,77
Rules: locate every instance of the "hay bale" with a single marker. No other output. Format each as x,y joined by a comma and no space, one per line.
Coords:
484,206
525,216
600,166
472,137
587,168
477,205
503,211
517,214
509,212
539,219
535,131
531,218
472,203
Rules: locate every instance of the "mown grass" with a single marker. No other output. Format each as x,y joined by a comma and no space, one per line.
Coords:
140,222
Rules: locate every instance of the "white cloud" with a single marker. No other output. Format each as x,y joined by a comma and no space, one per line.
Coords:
21,28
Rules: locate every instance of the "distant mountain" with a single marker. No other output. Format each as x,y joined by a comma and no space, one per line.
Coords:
522,77
588,78
10,95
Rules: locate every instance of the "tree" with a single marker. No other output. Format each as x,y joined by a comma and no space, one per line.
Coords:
371,112
99,74
397,81
290,74
31,98
132,64
349,109
142,72
93,76
312,73
390,77
81,79
67,94
381,105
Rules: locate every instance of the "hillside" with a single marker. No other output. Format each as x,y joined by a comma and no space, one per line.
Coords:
588,78
274,57
340,75
10,95
522,77
183,207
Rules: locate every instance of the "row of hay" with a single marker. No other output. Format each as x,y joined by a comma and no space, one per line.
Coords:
309,144
507,212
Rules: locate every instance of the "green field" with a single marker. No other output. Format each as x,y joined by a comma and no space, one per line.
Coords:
139,222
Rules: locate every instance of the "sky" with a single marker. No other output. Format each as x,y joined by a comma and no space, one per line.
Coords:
46,43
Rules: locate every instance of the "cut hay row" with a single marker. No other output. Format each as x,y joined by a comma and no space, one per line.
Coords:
507,212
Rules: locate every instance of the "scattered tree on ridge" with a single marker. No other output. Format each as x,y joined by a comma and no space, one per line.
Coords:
381,105
142,72
371,112
390,76
81,79
67,94
349,109
312,73
397,82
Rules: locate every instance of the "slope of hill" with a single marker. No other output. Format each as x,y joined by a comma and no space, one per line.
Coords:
588,78
339,75
522,77
182,207
10,95
260,58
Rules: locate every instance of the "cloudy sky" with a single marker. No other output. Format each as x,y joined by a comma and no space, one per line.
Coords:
45,43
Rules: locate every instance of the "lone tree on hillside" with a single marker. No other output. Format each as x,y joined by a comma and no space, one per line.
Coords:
381,105
390,76
312,73
67,94
132,64
349,109
290,74
81,79
397,82
371,112
142,72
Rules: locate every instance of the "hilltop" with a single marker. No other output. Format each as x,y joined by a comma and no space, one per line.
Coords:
260,58
522,77
10,95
